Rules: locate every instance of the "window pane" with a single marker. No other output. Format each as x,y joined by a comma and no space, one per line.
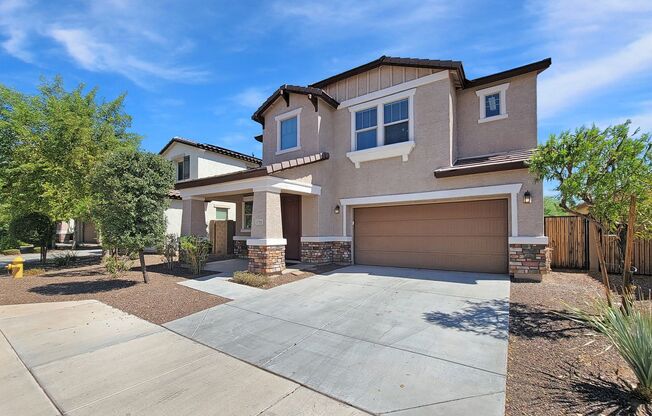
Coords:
179,171
248,210
289,133
396,111
366,118
492,105
221,214
186,167
249,207
396,133
365,139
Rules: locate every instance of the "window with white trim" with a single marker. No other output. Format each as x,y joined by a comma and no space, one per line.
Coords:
288,137
365,128
385,121
493,103
247,213
183,169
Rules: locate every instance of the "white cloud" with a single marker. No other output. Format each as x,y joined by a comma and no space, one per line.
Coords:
572,85
251,97
595,44
114,37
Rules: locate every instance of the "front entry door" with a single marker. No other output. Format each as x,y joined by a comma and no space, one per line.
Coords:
291,219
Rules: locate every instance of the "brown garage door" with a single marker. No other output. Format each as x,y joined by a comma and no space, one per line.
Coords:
466,236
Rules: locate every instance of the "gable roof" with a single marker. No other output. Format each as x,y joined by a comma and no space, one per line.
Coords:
394,61
212,148
252,173
296,89
316,89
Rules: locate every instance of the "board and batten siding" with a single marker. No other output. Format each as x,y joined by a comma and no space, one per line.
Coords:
373,80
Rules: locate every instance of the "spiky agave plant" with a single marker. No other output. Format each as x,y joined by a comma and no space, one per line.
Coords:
630,332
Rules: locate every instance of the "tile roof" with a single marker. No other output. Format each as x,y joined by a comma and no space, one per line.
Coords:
515,159
213,148
253,173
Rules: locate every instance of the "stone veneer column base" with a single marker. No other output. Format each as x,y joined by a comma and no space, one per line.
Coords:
266,259
240,249
326,252
529,261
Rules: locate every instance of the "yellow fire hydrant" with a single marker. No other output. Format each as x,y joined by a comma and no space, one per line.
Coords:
16,267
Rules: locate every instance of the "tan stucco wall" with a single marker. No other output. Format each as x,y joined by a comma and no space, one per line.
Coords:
517,131
445,127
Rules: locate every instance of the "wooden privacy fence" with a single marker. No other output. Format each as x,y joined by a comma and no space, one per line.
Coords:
571,238
221,234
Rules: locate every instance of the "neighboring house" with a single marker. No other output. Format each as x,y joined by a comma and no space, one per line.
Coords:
197,160
398,162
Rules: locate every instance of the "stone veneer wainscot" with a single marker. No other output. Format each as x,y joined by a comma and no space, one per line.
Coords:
266,259
326,252
529,261
240,249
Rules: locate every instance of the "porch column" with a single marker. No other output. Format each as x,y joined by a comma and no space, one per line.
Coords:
266,247
193,217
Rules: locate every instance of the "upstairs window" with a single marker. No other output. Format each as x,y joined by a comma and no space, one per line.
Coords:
287,131
183,169
396,122
365,128
493,103
385,121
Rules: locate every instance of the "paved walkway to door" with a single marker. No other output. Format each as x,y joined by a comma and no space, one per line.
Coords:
87,358
387,340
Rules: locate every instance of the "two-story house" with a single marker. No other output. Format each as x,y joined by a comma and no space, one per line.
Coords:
398,162
198,160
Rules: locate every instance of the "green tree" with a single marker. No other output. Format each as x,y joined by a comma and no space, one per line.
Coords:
35,228
601,170
130,198
51,142
551,207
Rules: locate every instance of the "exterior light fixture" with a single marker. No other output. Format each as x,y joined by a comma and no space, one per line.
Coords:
527,197
337,209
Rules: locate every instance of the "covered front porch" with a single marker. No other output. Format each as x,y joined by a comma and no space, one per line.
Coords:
268,229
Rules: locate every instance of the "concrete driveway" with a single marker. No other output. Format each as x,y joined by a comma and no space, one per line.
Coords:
387,340
87,358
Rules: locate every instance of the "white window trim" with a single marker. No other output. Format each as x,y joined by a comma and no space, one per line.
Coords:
502,88
286,116
383,151
245,200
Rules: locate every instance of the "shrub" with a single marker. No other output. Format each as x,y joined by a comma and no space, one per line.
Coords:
118,266
170,249
250,279
7,241
11,252
630,332
66,258
195,251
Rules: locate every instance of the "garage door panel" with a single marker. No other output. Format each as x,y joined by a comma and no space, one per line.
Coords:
449,210
472,263
456,244
412,227
468,236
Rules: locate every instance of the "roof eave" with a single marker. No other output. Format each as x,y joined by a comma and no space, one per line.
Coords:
538,67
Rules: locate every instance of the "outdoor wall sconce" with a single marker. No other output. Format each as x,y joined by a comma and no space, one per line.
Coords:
337,209
527,197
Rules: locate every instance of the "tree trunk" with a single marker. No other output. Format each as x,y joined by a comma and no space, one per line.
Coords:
141,254
628,288
44,253
603,263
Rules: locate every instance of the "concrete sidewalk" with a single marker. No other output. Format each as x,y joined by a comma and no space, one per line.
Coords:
86,358
218,284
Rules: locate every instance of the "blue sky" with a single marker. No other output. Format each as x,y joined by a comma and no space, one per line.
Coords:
199,69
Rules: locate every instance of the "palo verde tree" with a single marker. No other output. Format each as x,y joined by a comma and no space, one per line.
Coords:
50,142
130,198
602,171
